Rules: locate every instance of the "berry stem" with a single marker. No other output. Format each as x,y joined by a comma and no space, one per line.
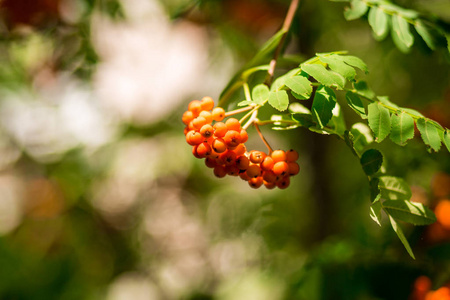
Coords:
251,120
248,97
237,111
251,112
262,137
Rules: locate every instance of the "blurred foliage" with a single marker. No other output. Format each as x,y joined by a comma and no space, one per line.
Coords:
100,198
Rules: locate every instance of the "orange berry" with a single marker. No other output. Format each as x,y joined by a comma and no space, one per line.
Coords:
270,176
219,145
194,152
195,106
210,162
186,130
244,176
283,183
188,116
207,131
232,170
191,125
220,129
213,154
199,122
220,171
267,163
442,212
278,155
240,149
255,182
291,155
294,168
203,149
233,124
194,138
281,168
232,138
218,114
207,103
244,135
253,171
207,115
269,185
228,158
256,156
242,162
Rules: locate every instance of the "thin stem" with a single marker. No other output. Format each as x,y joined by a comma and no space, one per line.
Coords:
251,120
249,113
237,111
286,26
262,137
248,97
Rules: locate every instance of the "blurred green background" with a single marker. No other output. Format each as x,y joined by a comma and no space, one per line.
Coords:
100,197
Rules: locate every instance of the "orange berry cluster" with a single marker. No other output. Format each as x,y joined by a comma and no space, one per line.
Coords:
222,145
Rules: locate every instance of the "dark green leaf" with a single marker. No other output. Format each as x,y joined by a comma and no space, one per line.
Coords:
375,212
446,139
300,86
371,161
304,120
324,76
363,89
402,128
425,32
401,236
400,28
410,212
394,188
356,10
356,104
322,106
375,193
279,100
429,133
379,120
378,20
339,66
260,93
361,136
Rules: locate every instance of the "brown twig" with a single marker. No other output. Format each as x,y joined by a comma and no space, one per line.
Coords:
262,137
286,26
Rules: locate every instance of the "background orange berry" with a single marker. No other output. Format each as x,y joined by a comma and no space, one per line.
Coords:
270,176
210,162
240,149
218,114
242,162
228,158
253,171
188,116
256,182
244,135
269,185
294,168
220,171
442,212
283,183
291,155
232,170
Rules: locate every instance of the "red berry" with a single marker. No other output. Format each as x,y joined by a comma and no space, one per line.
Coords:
242,162
253,171
255,182
220,171
291,155
294,168
283,183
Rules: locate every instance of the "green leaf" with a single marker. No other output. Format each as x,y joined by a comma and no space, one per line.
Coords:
300,86
378,20
394,188
375,193
401,236
278,84
339,66
354,62
371,161
297,108
356,10
304,119
324,76
356,104
400,28
260,93
410,212
279,100
413,112
385,100
337,120
379,120
245,103
402,128
322,106
363,89
429,133
279,125
425,32
375,212
446,139
362,136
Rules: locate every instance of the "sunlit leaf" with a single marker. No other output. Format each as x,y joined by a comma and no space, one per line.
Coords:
260,93
375,212
400,28
354,62
410,212
394,188
378,20
362,136
379,120
300,86
323,104
371,161
337,65
402,128
356,104
425,32
429,133
279,100
401,236
324,76
363,89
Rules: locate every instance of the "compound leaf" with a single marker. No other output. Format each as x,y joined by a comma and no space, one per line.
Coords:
401,236
300,86
322,106
379,120
356,104
410,212
279,100
429,133
260,93
339,66
402,128
324,76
